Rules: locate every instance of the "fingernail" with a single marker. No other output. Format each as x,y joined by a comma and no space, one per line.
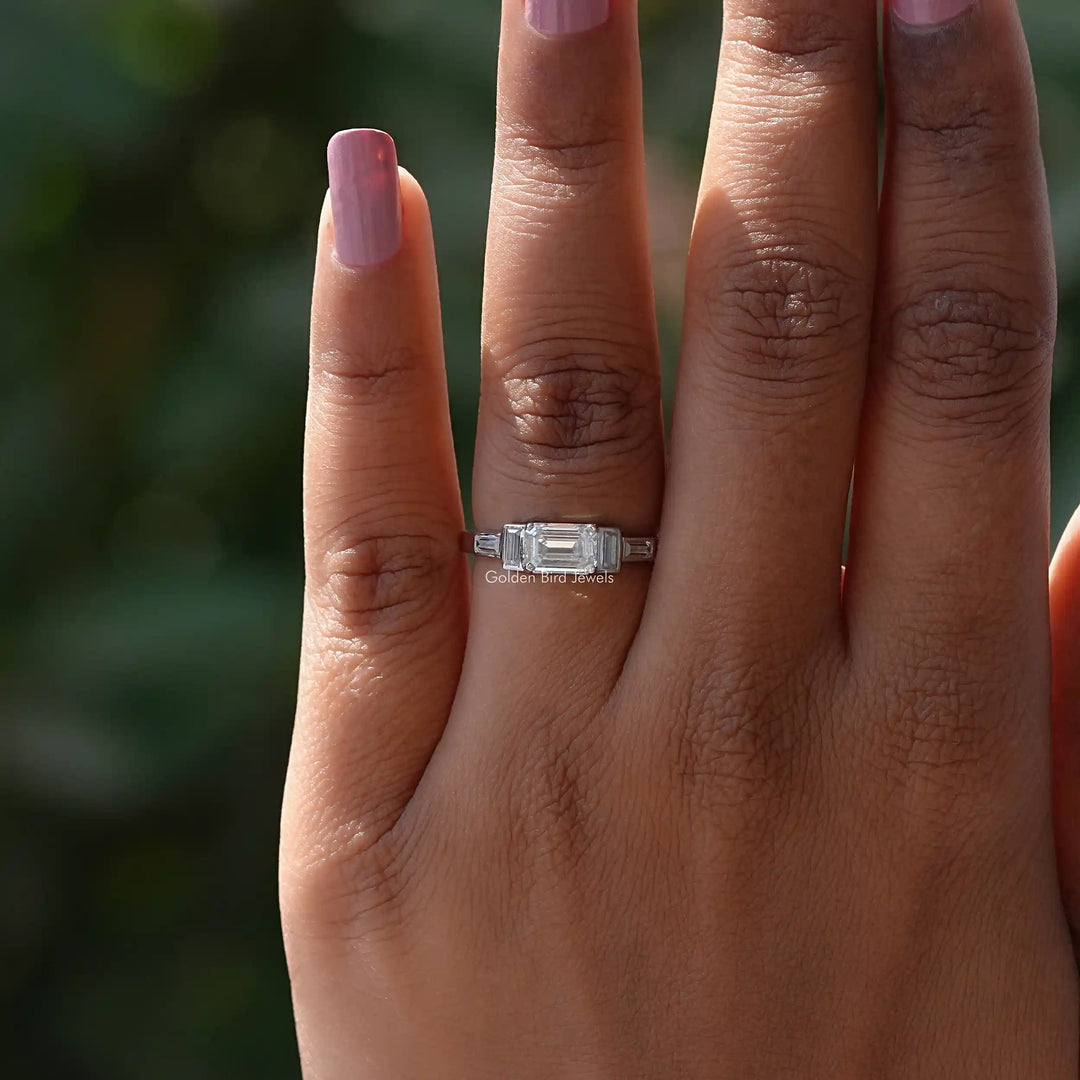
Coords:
558,17
929,12
365,195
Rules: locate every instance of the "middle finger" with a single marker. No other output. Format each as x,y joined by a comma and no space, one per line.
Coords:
779,303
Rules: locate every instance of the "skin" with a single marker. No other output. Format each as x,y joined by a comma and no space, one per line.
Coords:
719,819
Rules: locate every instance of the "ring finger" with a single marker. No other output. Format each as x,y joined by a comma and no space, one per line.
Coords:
570,425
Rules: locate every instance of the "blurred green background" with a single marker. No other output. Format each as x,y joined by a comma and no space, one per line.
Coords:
162,170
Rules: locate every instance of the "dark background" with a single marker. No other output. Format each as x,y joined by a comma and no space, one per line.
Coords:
161,171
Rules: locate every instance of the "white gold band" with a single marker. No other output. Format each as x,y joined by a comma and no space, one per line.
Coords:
554,548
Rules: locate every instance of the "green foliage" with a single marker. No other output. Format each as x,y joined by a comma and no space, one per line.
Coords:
162,176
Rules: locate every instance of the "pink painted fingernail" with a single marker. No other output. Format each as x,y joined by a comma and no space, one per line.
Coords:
929,12
558,17
365,195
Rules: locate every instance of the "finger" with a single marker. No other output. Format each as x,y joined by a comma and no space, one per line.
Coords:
570,411
385,610
1065,626
951,492
570,425
778,310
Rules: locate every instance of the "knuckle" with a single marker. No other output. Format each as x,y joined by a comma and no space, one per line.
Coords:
545,160
948,742
387,585
791,38
548,807
578,399
785,324
733,735
942,128
361,375
972,354
551,783
960,127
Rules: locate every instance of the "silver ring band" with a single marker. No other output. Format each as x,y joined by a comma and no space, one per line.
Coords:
559,548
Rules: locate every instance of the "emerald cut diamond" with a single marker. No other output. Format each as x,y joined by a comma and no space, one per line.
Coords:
560,549
552,549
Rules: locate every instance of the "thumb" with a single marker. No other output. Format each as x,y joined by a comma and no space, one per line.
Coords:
1065,627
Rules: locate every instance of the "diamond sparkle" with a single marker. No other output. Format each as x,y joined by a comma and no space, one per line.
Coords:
561,549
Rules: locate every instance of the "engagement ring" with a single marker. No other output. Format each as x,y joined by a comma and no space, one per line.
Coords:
545,548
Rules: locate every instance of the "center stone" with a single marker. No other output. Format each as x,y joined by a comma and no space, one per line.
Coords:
561,549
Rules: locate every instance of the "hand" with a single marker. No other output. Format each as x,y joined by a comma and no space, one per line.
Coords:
715,819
